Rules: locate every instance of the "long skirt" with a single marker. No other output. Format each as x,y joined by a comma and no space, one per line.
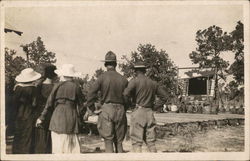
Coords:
64,143
42,141
22,143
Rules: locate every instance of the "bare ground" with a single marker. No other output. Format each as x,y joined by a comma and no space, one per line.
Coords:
226,139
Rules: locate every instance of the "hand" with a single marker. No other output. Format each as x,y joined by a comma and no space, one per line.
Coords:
38,122
86,116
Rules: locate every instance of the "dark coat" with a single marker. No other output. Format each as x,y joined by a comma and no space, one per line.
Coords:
25,101
63,102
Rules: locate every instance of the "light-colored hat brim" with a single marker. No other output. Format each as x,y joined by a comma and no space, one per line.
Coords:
61,73
22,79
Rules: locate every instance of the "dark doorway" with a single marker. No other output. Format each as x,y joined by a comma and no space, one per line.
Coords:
197,86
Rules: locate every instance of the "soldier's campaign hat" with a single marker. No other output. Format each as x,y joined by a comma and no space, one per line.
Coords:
140,64
110,57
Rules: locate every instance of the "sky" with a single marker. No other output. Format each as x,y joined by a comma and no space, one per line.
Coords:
83,35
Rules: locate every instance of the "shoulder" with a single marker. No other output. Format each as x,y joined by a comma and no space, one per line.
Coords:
133,80
25,87
152,82
122,77
105,74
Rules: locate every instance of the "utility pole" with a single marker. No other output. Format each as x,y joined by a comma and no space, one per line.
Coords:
25,49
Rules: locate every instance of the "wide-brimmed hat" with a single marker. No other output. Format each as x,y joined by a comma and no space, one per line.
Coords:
110,57
139,64
67,70
27,75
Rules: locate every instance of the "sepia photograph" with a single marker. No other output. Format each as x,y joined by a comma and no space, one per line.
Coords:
82,80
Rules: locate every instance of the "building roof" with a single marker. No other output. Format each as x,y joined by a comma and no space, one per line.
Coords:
186,73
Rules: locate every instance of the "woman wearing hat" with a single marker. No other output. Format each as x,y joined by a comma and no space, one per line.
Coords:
42,139
24,100
63,101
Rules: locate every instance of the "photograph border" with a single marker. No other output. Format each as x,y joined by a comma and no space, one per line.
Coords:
129,156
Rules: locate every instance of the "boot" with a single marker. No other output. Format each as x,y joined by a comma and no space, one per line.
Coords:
109,146
119,148
152,148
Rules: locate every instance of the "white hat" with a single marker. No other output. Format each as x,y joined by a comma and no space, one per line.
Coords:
67,70
28,75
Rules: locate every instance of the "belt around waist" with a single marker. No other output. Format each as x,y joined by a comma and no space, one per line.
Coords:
114,103
65,101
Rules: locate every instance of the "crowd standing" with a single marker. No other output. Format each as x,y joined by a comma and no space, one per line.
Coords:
49,105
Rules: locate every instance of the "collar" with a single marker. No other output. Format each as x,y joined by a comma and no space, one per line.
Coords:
47,81
111,69
25,85
141,75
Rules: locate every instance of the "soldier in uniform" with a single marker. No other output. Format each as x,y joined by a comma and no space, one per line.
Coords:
112,121
142,124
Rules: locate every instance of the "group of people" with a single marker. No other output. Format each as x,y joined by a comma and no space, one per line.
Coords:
47,113
201,107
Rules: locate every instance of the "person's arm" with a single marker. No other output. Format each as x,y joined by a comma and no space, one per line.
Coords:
126,102
161,93
80,98
92,94
50,103
129,91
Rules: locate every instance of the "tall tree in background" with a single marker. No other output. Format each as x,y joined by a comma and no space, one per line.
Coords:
237,68
13,66
98,72
160,67
211,42
37,54
87,83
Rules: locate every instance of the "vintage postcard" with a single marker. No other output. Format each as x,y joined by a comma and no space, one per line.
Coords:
125,80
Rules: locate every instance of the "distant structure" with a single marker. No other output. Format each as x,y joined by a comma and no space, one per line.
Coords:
196,83
9,28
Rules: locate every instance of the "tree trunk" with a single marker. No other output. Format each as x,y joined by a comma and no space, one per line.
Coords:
216,87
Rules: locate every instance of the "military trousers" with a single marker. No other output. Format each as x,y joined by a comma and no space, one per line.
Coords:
112,126
142,129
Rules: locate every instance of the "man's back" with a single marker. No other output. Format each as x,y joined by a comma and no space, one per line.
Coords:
145,90
112,85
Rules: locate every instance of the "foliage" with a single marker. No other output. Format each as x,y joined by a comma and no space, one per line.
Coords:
160,66
233,90
37,54
211,43
237,68
13,66
36,57
86,82
98,72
